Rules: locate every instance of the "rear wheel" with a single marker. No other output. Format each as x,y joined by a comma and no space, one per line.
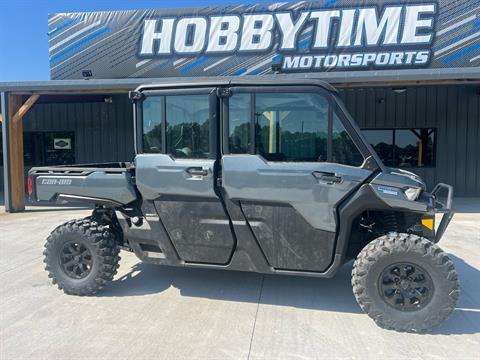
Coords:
405,282
81,256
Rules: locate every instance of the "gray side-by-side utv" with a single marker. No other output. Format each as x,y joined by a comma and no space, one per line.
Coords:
269,176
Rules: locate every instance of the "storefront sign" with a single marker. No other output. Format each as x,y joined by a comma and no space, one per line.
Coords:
251,39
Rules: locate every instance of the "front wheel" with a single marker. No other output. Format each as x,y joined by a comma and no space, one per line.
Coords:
405,282
81,256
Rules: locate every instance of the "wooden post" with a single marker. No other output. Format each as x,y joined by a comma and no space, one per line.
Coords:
15,173
25,107
16,111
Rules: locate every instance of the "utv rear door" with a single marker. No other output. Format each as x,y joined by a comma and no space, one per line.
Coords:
289,160
176,169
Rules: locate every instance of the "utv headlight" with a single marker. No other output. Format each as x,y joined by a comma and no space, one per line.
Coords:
412,194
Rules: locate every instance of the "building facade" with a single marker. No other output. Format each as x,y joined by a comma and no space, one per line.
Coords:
408,72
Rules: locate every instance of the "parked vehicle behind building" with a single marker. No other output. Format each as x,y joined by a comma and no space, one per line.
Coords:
256,175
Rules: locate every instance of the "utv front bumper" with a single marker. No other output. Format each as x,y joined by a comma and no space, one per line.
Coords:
445,209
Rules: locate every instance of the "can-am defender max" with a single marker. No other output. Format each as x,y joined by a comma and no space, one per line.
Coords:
270,176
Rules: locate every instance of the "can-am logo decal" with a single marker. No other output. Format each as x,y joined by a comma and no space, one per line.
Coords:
50,181
392,36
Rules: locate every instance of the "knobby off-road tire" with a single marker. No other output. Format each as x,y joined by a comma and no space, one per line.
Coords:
374,277
81,256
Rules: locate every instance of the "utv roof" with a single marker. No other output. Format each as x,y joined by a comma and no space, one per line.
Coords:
235,81
124,85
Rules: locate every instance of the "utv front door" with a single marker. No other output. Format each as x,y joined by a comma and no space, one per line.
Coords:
177,171
289,160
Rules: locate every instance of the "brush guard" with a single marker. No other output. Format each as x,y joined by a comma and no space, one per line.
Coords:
445,209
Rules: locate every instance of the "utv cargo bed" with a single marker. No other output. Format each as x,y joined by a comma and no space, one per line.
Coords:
103,184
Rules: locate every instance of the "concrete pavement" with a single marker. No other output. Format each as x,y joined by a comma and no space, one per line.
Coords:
151,312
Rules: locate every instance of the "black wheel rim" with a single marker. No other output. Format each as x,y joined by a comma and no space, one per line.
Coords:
405,286
76,260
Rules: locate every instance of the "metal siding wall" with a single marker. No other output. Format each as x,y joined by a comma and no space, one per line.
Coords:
473,140
453,110
103,132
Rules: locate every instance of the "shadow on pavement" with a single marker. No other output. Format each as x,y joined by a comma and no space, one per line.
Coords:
466,317
302,292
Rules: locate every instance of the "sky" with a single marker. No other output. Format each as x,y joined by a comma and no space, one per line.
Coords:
23,29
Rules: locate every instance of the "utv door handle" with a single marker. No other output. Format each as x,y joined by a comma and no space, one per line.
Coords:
197,171
329,178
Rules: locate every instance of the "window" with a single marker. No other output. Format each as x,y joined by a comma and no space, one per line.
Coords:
344,150
187,129
48,148
60,148
240,107
152,124
403,147
382,142
414,147
289,127
188,126
33,148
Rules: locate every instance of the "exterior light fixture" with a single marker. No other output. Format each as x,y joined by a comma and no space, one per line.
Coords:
87,74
